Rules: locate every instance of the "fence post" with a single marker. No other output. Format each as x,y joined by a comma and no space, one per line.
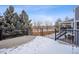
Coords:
42,31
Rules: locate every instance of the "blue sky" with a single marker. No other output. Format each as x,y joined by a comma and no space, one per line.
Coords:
43,13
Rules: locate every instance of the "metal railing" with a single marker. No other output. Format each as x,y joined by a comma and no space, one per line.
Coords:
73,34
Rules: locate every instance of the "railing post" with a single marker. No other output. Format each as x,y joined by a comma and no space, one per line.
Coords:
55,34
72,37
72,42
65,34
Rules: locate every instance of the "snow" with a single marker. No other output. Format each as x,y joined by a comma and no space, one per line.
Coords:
42,45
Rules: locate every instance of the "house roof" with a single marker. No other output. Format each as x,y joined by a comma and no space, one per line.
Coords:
68,21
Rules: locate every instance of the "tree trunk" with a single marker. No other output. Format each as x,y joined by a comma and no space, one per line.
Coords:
0,34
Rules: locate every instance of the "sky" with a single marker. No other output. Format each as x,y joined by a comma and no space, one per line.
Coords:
43,13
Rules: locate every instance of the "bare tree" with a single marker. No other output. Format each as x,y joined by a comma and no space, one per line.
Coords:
38,26
48,24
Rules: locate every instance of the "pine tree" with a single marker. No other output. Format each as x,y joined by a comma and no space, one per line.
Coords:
12,23
8,17
26,23
57,24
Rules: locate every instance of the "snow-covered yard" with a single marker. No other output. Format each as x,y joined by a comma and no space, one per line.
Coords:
42,45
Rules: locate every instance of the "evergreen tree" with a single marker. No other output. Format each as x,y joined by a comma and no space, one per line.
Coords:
12,23
8,17
26,23
57,24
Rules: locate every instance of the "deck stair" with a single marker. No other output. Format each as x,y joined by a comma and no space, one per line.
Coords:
60,34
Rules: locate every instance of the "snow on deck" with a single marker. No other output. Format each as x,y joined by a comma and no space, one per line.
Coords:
41,45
